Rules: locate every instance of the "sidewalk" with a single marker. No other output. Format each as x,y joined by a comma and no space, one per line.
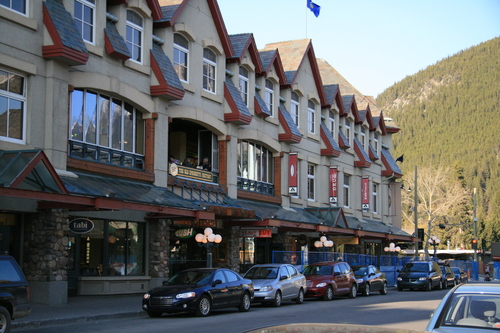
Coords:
81,309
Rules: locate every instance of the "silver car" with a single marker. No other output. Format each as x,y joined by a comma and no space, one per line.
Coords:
275,283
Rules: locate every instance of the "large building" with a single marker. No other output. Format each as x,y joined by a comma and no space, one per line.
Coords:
127,127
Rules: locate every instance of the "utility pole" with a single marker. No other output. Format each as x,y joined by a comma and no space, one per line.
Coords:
415,212
475,227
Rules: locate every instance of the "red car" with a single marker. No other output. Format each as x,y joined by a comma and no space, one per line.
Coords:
330,278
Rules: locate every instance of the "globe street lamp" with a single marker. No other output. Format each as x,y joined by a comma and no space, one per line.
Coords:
208,240
434,241
392,248
323,243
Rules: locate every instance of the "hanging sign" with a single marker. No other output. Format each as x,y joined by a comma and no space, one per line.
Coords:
256,233
292,175
185,233
333,185
365,194
81,226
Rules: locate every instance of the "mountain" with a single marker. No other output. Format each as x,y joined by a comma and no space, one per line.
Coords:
449,115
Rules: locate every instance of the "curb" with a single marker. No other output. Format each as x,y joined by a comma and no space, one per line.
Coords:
72,320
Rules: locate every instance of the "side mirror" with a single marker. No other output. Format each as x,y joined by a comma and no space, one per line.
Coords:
216,282
283,277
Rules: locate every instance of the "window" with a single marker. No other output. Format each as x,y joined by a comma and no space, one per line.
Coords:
16,5
181,52
331,123
12,106
84,18
311,180
311,114
376,143
244,84
106,126
294,108
374,198
347,129
209,70
347,184
255,167
362,139
269,96
135,31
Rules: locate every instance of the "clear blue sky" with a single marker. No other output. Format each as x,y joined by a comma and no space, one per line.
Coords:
372,43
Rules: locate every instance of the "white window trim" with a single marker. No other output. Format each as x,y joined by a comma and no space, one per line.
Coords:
17,97
311,124
214,64
26,6
375,200
183,49
141,29
294,110
246,92
269,97
331,124
347,187
93,6
313,179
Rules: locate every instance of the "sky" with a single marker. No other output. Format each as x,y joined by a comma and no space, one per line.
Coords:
371,43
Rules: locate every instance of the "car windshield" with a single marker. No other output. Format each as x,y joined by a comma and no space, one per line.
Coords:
360,270
416,267
473,310
318,270
262,273
189,277
456,270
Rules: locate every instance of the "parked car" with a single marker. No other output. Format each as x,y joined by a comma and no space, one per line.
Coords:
420,275
14,293
275,283
460,275
468,308
448,277
330,278
199,290
370,279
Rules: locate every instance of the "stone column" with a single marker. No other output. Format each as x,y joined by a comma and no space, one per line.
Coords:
159,250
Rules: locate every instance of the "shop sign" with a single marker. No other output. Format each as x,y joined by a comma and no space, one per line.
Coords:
81,226
345,240
256,233
197,223
185,233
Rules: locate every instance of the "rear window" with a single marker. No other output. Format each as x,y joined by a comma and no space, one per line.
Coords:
9,272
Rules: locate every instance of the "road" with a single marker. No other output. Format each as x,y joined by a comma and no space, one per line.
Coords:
404,309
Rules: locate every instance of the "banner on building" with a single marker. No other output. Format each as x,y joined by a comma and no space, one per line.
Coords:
292,175
365,194
333,185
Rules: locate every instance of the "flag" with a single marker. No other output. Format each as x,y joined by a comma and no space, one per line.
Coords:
313,7
400,159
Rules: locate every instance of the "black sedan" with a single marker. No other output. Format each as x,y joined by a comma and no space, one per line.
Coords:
448,277
199,290
460,275
370,279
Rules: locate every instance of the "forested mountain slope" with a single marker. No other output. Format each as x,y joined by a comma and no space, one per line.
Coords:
449,115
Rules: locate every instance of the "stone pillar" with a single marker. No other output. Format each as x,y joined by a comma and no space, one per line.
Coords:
233,248
46,256
159,243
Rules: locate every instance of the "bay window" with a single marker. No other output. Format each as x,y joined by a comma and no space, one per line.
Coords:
255,167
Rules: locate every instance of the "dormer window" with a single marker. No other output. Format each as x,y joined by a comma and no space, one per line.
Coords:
243,84
84,18
294,108
209,70
135,31
181,53
269,96
311,115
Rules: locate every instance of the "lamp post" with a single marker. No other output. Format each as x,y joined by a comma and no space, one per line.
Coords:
434,241
392,248
323,243
208,240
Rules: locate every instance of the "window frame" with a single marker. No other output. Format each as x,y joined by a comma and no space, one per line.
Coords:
347,129
294,107
375,200
207,78
332,123
243,84
135,27
81,21
311,117
20,98
269,96
311,182
346,190
179,49
26,8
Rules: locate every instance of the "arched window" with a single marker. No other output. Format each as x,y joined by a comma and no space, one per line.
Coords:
209,70
135,31
181,56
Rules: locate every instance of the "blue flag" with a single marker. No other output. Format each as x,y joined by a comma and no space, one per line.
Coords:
313,7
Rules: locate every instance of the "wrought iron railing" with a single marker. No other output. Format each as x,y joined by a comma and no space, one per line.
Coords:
105,155
255,186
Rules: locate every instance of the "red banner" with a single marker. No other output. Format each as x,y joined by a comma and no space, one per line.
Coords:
333,184
365,194
292,175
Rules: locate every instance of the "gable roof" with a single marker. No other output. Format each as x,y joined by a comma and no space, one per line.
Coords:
169,83
350,106
243,43
269,59
293,53
332,94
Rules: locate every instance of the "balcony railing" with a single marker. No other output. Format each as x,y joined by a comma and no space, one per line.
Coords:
105,155
255,186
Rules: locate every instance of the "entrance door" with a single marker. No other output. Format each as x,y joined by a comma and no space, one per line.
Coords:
73,264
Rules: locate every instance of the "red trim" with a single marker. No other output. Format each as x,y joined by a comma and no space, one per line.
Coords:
171,22
258,109
278,67
288,135
58,50
111,51
235,115
155,9
251,48
388,170
221,28
329,150
343,144
362,163
163,88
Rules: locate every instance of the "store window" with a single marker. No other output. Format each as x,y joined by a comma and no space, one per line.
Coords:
12,106
135,31
181,56
84,18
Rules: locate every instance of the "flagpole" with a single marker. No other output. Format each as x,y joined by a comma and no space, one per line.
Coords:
306,22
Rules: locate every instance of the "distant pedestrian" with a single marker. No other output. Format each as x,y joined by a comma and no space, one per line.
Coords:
205,165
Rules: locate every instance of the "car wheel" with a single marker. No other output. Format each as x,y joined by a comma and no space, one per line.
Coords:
429,285
366,292
353,291
445,284
204,307
328,294
245,303
300,297
4,320
152,314
383,291
277,299
441,285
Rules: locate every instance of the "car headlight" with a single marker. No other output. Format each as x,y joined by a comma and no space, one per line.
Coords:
423,278
399,279
190,294
321,285
360,280
266,288
147,296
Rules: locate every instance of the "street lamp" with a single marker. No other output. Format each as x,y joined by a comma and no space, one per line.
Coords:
208,240
392,248
323,243
434,241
